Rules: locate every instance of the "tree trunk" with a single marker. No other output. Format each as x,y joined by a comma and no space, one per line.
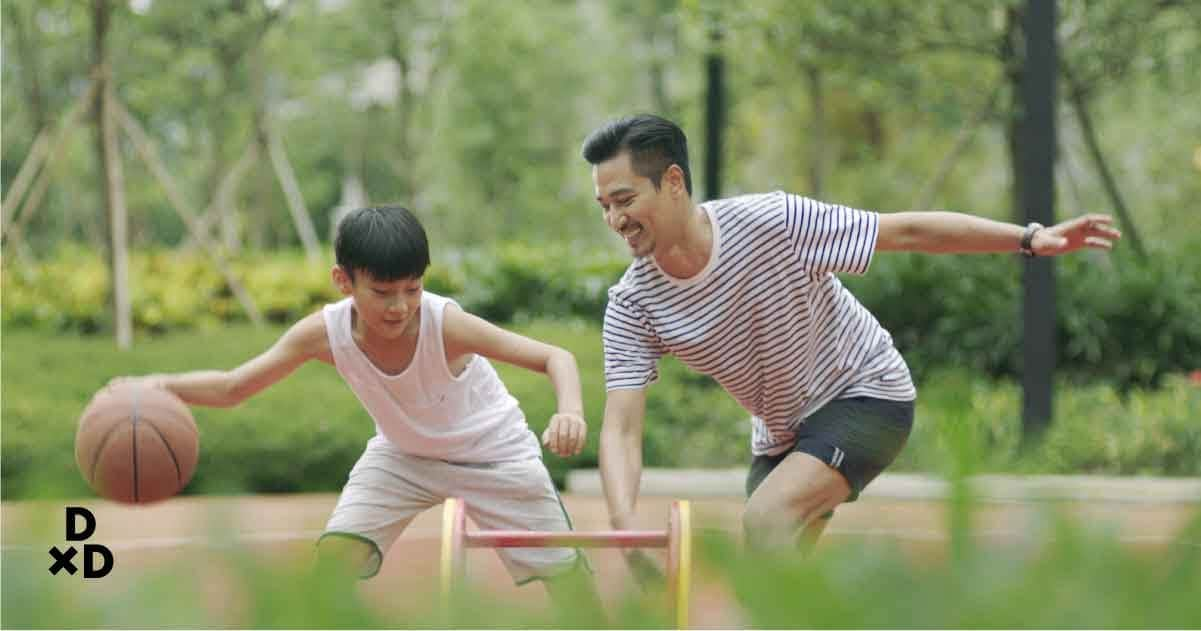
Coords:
715,111
28,50
14,218
1038,145
817,130
149,156
1080,107
114,181
398,50
300,215
929,191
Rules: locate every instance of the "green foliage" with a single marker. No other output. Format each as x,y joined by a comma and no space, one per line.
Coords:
968,425
305,433
1063,575
180,290
1117,320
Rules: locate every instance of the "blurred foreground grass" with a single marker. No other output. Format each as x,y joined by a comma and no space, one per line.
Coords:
1060,573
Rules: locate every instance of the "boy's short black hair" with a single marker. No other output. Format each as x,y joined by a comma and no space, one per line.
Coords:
387,242
654,143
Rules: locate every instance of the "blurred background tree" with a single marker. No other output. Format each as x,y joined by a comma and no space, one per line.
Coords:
472,112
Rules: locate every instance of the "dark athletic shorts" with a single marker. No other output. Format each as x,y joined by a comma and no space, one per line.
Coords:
858,437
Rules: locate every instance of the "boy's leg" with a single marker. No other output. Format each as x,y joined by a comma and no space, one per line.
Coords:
520,495
574,592
383,494
348,554
839,450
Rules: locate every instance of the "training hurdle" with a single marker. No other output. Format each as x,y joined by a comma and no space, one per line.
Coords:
677,539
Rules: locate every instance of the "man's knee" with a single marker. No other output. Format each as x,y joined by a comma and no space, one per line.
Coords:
762,521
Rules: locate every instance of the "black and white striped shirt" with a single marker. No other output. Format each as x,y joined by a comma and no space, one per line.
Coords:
766,317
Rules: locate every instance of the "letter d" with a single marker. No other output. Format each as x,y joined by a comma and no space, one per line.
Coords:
89,570
89,523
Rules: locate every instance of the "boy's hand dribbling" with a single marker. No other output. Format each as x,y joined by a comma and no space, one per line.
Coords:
145,381
565,435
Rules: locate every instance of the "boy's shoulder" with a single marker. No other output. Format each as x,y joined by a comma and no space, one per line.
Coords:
309,337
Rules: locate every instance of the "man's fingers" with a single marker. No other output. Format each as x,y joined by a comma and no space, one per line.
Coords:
645,571
1098,243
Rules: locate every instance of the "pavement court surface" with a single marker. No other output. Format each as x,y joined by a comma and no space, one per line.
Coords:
909,510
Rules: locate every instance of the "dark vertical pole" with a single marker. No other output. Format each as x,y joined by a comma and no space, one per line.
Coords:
715,103
1037,194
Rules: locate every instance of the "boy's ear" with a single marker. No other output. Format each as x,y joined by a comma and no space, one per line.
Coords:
341,280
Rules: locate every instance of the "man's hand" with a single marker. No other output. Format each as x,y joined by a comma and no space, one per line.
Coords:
1089,231
644,568
566,434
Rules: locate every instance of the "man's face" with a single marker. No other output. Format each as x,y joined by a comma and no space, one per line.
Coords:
629,201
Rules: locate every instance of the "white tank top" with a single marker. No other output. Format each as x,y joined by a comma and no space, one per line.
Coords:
424,411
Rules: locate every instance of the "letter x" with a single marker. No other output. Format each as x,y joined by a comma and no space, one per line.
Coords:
62,560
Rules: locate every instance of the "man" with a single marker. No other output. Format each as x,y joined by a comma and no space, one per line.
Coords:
744,290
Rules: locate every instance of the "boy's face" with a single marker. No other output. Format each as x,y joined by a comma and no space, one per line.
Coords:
385,308
631,202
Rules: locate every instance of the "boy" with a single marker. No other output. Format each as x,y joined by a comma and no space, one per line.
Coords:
445,424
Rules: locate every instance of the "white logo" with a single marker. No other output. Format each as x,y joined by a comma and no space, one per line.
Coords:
836,459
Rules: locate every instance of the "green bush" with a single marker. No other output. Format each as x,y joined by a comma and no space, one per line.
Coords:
305,433
1118,320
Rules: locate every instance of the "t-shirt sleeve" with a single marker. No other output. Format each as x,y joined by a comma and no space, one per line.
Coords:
632,350
831,238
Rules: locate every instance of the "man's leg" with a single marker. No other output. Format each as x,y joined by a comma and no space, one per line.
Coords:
792,505
839,449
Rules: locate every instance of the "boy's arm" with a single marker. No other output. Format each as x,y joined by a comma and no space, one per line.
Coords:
225,388
950,233
464,333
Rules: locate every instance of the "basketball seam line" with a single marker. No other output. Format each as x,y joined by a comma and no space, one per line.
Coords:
100,450
171,452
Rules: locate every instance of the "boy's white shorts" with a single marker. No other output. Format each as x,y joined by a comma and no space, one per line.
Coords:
387,488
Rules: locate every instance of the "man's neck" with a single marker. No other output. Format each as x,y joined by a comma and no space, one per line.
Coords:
688,256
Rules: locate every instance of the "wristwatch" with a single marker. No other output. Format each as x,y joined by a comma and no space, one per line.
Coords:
1028,237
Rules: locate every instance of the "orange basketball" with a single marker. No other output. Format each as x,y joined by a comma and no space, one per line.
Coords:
136,444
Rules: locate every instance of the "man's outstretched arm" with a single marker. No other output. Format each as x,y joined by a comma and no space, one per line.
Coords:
959,233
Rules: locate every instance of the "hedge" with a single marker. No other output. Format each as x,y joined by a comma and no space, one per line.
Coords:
1119,320
305,433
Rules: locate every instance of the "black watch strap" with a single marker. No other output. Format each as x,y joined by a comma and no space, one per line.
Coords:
1028,237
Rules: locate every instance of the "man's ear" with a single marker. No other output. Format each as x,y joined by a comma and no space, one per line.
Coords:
674,179
342,280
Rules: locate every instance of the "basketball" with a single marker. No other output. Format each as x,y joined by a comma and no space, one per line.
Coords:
136,444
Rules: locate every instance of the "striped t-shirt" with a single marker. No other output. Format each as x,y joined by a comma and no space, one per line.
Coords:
766,317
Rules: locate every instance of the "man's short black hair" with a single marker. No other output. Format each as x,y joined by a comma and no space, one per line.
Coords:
654,143
387,242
